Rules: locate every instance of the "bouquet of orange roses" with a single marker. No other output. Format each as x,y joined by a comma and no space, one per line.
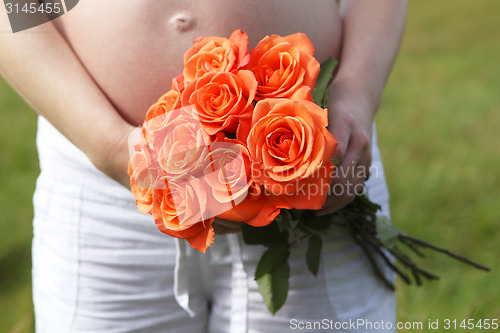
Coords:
242,135
237,137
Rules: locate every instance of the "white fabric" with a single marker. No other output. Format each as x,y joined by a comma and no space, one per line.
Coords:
239,286
181,277
101,266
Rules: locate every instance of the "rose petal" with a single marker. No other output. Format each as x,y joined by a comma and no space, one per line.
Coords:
302,42
200,235
319,183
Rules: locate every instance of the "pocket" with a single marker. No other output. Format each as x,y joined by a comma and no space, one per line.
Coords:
354,291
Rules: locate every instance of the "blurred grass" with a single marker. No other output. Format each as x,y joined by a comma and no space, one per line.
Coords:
18,171
438,131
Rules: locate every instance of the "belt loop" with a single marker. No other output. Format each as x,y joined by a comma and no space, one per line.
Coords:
239,286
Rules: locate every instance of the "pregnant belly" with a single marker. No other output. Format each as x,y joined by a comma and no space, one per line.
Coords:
134,48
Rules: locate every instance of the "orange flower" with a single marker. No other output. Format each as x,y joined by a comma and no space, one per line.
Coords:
215,54
284,67
222,100
156,115
166,103
227,171
232,183
146,179
173,94
258,209
179,209
169,101
290,150
178,141
183,210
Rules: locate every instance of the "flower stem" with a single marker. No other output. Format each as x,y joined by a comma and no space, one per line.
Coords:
447,252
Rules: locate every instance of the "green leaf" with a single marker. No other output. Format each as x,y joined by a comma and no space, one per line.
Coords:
283,220
276,255
313,254
320,91
270,234
296,214
366,204
296,217
274,287
317,222
387,232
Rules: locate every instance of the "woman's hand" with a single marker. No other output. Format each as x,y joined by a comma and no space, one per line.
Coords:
114,158
372,32
351,112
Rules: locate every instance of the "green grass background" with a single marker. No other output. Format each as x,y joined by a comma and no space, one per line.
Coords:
438,131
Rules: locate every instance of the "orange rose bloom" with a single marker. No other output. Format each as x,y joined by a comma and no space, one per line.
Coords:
182,208
258,209
232,183
284,67
227,171
156,114
215,54
173,94
166,103
147,179
222,99
178,141
143,188
290,150
179,209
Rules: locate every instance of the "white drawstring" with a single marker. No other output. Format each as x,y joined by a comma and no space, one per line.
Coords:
239,285
181,277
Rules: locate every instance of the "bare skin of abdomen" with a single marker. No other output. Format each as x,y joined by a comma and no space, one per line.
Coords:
134,48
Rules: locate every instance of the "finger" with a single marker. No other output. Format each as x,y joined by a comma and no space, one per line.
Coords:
338,155
342,136
364,164
347,167
341,125
333,208
346,181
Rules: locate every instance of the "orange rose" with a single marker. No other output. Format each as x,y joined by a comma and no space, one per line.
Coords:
258,209
183,208
227,171
166,103
228,174
290,150
156,114
146,179
215,54
222,100
179,142
172,96
284,67
169,101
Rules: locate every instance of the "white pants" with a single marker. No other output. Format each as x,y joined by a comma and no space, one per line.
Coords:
101,266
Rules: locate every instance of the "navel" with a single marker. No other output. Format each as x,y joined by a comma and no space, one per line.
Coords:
182,21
